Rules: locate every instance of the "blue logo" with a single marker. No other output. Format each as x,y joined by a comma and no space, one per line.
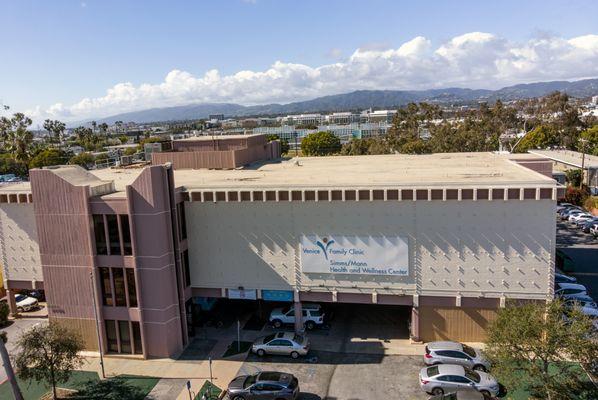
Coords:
324,244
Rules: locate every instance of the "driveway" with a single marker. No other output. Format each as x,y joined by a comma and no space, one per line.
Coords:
347,376
14,331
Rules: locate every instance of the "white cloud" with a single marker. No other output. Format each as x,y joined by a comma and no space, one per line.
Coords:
473,60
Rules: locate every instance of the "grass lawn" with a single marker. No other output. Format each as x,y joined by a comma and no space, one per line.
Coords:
233,348
34,390
521,394
213,390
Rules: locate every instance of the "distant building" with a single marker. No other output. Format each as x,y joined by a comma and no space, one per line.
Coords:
216,117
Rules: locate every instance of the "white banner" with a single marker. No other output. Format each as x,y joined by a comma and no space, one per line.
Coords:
360,255
242,294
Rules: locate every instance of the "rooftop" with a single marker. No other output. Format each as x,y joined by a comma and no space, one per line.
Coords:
431,170
216,137
569,157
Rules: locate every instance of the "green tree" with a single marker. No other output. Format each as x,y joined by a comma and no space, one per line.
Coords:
591,137
532,346
284,144
574,177
123,139
16,137
85,160
48,353
55,129
541,137
320,144
47,157
8,165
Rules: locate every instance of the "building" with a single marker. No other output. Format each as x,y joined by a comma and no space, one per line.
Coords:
445,238
564,160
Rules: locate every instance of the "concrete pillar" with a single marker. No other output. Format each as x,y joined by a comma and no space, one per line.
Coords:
415,324
298,317
12,303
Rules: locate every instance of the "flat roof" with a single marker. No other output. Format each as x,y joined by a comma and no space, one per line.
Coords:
439,170
217,137
569,157
396,170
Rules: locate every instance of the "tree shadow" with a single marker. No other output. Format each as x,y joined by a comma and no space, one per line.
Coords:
110,389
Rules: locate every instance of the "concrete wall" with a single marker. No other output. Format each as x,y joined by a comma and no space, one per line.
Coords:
19,251
456,247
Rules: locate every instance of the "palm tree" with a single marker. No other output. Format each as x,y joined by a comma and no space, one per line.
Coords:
19,139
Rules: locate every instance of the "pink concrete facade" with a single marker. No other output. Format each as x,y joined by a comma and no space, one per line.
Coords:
70,260
219,153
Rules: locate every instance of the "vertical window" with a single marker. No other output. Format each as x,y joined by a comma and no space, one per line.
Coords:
137,337
119,287
111,335
105,286
131,288
125,337
186,271
182,221
113,235
100,234
126,232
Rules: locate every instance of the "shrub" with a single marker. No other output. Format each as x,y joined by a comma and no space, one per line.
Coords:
591,202
320,144
4,310
575,195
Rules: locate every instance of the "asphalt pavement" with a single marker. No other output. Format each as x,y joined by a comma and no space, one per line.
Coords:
583,250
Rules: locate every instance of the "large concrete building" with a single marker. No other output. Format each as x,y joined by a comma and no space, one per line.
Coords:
449,237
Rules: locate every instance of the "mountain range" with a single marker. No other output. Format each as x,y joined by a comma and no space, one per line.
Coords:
359,100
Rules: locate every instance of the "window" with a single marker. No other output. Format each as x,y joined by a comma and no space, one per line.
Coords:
137,337
125,337
459,379
186,271
119,287
105,286
182,220
131,288
100,234
113,236
111,336
126,232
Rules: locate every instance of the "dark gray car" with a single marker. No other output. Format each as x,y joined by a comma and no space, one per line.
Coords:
264,386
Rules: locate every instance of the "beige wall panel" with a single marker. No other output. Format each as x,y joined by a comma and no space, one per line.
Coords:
461,324
19,250
85,327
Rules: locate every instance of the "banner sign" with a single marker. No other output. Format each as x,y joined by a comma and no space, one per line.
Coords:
358,255
242,294
277,295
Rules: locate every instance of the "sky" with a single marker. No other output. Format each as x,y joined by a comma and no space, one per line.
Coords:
74,60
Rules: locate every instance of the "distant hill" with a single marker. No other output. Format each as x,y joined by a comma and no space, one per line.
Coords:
360,99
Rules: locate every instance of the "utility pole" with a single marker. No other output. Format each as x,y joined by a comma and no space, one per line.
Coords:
10,373
95,314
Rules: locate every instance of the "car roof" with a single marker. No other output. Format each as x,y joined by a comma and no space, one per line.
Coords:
285,335
445,346
567,285
450,369
273,376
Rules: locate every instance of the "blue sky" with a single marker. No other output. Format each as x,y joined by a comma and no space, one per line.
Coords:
56,54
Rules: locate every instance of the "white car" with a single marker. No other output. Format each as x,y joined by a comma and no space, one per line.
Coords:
25,303
562,206
312,316
569,290
594,229
578,216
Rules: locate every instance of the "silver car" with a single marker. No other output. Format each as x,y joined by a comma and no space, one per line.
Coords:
445,378
281,343
455,353
461,394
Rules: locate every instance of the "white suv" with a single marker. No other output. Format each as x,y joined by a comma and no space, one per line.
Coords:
312,316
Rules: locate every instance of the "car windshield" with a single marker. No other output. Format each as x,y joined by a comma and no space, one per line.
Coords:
298,339
268,338
474,376
432,371
286,310
316,313
249,381
19,297
469,351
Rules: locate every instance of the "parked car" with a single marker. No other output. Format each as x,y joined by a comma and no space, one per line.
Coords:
594,229
455,353
568,290
264,386
560,207
462,394
312,316
562,278
587,224
581,301
25,303
564,214
446,378
281,343
579,216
